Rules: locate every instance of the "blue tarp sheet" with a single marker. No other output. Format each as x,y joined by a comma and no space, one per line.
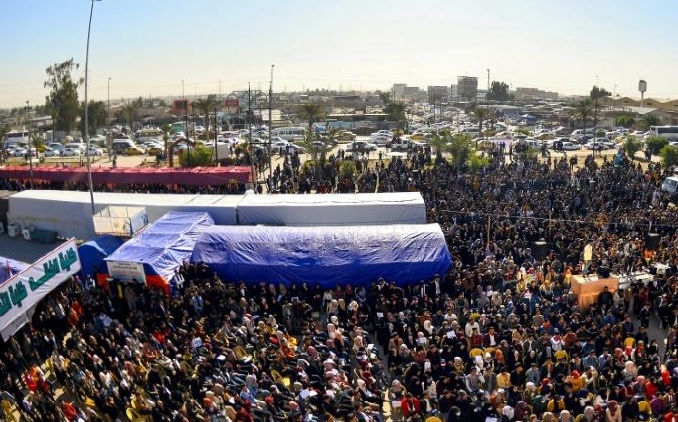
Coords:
165,244
92,253
9,268
330,256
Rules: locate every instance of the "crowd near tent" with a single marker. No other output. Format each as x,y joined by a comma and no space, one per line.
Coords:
10,267
328,256
92,253
154,255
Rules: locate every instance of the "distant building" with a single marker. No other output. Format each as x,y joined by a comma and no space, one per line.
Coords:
412,92
437,94
535,94
398,91
454,94
467,88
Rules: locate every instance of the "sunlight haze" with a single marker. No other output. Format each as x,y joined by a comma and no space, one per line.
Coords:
147,47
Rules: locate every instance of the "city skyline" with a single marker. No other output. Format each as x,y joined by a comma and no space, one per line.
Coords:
148,48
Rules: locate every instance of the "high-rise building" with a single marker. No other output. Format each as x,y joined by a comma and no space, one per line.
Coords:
454,94
437,94
467,88
398,92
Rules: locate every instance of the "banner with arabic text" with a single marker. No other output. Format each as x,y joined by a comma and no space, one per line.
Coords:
23,291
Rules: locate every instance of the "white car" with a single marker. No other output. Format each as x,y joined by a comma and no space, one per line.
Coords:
95,151
380,138
52,152
569,146
20,152
72,152
361,146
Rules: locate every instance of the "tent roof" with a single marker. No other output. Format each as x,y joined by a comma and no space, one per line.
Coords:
166,244
198,176
330,256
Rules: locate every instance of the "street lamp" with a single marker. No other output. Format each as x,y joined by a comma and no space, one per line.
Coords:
89,163
30,143
108,101
270,125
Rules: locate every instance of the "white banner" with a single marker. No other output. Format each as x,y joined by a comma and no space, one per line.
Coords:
127,272
23,291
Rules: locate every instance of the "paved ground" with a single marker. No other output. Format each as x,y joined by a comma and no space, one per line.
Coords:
22,250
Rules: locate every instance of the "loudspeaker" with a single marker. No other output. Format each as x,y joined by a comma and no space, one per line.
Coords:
540,250
652,241
603,272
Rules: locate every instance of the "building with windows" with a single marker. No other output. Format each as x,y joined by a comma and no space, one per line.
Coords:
437,94
467,88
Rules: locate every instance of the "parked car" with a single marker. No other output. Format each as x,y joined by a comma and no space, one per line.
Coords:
95,151
52,152
380,138
296,148
135,151
569,146
155,150
72,152
361,146
346,135
19,152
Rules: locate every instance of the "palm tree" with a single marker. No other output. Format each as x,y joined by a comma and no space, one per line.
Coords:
481,114
204,106
311,112
583,110
597,93
128,112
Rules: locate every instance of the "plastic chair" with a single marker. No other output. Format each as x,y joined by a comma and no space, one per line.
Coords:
476,351
6,406
560,354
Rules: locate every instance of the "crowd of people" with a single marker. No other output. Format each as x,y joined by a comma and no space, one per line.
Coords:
500,336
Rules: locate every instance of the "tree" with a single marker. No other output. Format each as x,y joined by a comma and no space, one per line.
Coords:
583,110
97,116
481,114
631,146
499,91
200,156
205,106
649,120
656,143
625,121
311,112
595,94
62,100
395,112
385,98
459,146
669,155
128,112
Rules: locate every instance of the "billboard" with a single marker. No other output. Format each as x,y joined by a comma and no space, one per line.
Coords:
20,294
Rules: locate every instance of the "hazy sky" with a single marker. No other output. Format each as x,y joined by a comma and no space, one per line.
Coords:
147,47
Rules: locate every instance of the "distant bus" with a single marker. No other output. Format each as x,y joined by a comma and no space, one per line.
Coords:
290,133
180,127
15,137
669,132
146,134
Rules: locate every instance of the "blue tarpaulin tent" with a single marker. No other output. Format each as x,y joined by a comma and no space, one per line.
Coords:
92,253
164,245
9,268
330,256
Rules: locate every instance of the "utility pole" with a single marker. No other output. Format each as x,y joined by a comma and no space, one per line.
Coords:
270,124
30,144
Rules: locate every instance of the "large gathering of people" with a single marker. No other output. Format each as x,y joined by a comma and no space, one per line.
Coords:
499,337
